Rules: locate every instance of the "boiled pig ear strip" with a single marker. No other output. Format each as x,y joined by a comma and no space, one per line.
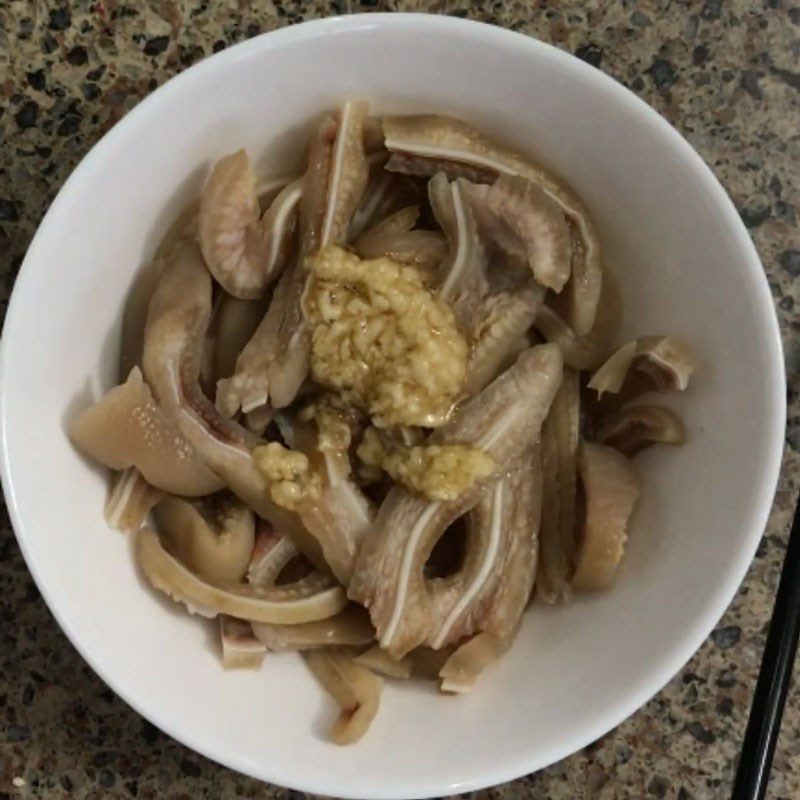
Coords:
179,314
240,648
243,252
214,539
311,598
496,579
130,501
127,428
611,488
524,222
558,542
444,141
636,427
463,668
274,363
461,277
503,421
585,352
348,628
356,690
667,364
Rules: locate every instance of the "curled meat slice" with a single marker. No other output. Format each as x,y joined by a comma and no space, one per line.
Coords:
243,254
495,582
503,421
560,440
311,598
213,539
443,143
499,336
275,362
240,648
138,298
382,663
126,428
178,319
463,668
350,627
611,488
526,223
271,553
394,238
356,690
384,194
585,352
417,166
461,277
400,221
373,135
236,321
666,363
636,427
421,249
130,501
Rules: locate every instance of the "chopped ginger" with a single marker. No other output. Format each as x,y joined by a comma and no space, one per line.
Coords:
439,471
382,340
287,473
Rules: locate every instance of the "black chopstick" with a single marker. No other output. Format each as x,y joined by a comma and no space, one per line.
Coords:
764,723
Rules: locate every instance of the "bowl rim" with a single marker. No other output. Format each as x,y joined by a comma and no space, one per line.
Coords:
740,561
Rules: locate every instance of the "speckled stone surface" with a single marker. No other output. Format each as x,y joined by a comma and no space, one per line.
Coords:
726,74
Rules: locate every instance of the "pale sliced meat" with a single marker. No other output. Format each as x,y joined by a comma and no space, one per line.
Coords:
503,421
179,312
126,428
311,598
611,487
431,143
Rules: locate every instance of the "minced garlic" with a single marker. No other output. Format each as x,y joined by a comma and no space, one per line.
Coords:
382,341
287,473
335,422
439,471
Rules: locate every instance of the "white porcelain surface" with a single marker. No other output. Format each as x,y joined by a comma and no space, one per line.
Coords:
686,266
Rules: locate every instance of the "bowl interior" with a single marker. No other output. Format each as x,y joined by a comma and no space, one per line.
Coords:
685,266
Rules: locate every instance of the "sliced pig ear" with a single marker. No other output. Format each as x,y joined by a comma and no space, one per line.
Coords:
636,427
459,150
240,648
217,545
667,364
524,221
421,249
229,231
500,336
611,488
313,597
356,690
490,592
349,628
461,276
560,441
585,352
131,499
126,428
463,668
504,421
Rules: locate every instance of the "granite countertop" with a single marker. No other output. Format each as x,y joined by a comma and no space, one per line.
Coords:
726,74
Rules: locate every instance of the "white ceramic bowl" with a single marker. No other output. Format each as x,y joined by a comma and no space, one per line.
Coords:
686,266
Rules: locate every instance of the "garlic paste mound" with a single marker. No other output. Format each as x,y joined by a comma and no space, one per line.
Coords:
382,340
440,472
